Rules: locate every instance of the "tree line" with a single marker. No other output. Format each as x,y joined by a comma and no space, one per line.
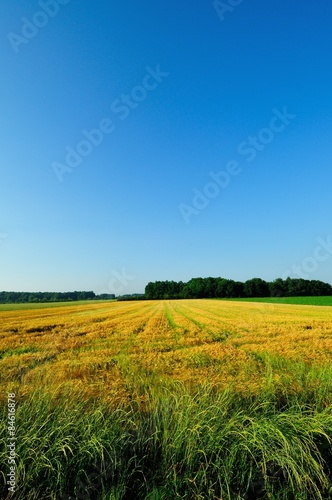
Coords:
20,297
199,288
196,288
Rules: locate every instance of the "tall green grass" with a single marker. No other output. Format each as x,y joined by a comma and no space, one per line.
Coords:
201,444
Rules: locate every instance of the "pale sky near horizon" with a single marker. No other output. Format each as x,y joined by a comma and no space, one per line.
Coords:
164,140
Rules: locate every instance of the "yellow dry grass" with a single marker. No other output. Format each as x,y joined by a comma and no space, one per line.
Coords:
116,349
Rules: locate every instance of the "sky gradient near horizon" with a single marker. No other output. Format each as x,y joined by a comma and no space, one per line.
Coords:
152,141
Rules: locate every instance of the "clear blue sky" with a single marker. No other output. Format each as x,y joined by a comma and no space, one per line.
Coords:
128,208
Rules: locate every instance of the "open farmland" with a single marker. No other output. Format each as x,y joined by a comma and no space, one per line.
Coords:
109,349
176,370
304,301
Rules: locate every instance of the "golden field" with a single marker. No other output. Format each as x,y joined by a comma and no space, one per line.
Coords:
114,350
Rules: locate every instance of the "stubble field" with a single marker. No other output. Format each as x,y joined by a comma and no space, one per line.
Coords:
170,399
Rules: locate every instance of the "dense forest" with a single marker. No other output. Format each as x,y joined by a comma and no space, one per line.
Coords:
199,288
20,297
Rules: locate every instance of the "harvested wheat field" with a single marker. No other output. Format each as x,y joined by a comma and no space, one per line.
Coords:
170,399
111,349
